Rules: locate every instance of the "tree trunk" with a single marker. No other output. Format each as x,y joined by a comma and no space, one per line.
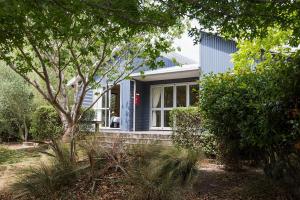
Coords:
25,130
68,126
69,136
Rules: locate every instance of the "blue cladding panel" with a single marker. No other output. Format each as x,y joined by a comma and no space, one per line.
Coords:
215,53
142,111
126,105
88,99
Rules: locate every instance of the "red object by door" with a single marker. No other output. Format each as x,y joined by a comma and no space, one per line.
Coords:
137,99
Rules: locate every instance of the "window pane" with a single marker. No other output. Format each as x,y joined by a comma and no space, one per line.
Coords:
156,97
168,97
103,117
98,115
167,118
103,105
156,118
107,118
181,96
194,95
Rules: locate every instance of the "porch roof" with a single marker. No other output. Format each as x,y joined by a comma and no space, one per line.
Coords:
176,72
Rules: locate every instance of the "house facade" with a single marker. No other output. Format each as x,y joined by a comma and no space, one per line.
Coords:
144,102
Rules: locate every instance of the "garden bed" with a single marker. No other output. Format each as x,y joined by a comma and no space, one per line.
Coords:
213,182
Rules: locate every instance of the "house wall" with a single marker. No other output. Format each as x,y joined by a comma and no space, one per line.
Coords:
88,99
214,57
215,53
126,105
142,111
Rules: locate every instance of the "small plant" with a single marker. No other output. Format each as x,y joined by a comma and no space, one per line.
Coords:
186,126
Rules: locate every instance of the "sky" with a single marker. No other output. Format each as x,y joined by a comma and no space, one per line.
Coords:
188,49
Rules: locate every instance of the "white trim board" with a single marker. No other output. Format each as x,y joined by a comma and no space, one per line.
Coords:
176,72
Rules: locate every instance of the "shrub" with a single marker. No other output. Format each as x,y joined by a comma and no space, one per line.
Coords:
162,174
208,144
186,126
46,123
257,111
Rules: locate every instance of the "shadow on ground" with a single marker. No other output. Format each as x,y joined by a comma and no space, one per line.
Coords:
215,184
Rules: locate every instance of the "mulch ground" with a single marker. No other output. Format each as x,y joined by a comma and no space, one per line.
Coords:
213,183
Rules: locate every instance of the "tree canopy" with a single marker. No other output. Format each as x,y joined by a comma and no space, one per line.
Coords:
242,18
50,42
15,105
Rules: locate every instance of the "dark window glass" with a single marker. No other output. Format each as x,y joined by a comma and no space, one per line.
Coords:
168,97
167,118
181,96
156,119
194,95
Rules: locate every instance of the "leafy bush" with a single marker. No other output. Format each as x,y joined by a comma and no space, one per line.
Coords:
186,126
208,144
162,174
16,106
46,123
257,111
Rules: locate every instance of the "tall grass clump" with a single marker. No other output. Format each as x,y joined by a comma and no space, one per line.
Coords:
44,181
162,174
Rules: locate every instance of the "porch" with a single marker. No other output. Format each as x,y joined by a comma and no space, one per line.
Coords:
157,92
134,137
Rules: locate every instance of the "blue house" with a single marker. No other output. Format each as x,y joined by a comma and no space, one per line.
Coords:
144,102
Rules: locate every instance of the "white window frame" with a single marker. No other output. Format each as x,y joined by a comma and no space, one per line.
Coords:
98,106
162,108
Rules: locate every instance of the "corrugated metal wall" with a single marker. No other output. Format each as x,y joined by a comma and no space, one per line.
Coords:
88,99
126,105
215,53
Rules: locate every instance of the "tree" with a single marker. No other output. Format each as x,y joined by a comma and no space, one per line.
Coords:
50,42
15,104
241,18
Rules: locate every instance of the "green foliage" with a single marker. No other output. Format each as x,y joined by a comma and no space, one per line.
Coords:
208,144
46,123
186,126
49,43
189,133
253,54
235,18
257,112
8,156
163,173
15,105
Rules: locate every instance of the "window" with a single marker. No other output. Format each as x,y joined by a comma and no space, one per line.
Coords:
181,96
194,94
166,97
108,107
156,106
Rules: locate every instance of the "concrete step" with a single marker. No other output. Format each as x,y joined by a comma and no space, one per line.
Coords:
135,135
127,142
134,138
